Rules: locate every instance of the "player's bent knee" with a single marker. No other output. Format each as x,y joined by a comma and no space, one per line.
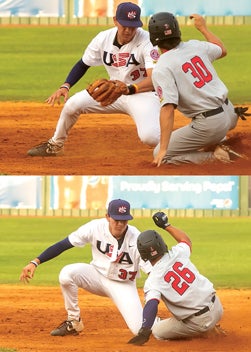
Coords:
64,276
72,107
149,140
158,330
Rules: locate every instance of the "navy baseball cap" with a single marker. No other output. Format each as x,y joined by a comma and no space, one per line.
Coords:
119,209
128,15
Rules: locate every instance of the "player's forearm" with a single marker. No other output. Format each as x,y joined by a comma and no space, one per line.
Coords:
77,72
178,235
54,250
145,85
212,38
149,313
166,125
200,24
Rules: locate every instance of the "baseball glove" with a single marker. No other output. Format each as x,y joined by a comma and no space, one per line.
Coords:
106,91
142,337
161,219
241,112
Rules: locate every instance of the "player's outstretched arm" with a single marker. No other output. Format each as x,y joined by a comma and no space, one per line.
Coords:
48,254
166,128
161,220
76,73
200,24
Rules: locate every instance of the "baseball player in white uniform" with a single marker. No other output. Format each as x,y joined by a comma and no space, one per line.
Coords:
127,55
189,296
112,272
184,78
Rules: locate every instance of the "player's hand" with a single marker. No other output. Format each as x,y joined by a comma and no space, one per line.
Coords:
27,273
142,337
158,160
160,219
55,97
199,21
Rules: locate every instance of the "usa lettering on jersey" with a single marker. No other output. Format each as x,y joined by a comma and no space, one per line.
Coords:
120,59
122,258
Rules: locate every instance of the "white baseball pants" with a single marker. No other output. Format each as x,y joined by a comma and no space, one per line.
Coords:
123,294
144,109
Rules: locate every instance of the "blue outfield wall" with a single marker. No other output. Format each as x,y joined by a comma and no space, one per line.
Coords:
203,7
58,8
23,8
143,192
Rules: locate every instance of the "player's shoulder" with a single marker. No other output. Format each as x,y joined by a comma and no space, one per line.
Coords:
133,229
132,233
107,33
96,222
181,247
195,43
142,36
143,32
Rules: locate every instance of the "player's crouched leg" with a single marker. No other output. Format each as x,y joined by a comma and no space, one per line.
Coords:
149,133
73,325
144,109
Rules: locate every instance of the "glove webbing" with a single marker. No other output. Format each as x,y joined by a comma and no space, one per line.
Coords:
241,112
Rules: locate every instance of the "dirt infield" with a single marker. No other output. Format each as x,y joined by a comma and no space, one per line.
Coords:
28,314
97,145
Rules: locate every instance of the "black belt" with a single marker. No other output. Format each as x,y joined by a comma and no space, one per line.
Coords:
204,310
200,312
214,111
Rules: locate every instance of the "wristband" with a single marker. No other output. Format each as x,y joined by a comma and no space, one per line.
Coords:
66,87
35,263
133,89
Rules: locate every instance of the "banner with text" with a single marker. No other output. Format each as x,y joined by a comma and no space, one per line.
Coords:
107,8
178,192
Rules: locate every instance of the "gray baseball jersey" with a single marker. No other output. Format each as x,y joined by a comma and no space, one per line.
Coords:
188,80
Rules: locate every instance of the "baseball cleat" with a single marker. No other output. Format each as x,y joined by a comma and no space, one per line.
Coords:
231,151
72,327
46,149
219,331
222,155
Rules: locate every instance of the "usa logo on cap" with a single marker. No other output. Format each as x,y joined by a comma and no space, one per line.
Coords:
132,15
122,210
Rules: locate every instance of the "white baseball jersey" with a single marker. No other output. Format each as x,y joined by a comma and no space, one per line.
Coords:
120,264
128,63
176,281
185,76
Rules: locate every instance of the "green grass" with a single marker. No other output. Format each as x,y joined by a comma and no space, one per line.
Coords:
34,61
221,247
